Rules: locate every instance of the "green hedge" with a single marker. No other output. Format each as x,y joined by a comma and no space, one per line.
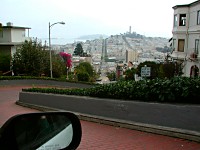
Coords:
175,90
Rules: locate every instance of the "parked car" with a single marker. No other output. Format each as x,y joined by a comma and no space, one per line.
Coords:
40,131
102,80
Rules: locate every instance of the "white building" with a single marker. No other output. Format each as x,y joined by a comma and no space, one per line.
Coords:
186,37
11,37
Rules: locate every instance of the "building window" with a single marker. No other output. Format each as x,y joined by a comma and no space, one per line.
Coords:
194,71
1,33
174,45
198,17
196,49
175,20
23,33
182,20
181,43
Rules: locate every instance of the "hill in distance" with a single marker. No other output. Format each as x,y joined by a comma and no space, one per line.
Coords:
92,37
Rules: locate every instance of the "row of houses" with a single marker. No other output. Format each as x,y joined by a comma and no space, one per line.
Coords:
185,41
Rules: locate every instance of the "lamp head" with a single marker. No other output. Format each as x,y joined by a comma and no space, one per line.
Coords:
62,22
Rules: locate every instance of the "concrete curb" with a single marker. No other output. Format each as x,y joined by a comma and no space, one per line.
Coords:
167,131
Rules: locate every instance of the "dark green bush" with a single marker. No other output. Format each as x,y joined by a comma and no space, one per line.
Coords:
175,90
83,76
4,62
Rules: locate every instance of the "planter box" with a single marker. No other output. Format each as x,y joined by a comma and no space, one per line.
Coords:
180,121
168,115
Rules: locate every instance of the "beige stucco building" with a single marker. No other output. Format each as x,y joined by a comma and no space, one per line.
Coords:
131,55
186,37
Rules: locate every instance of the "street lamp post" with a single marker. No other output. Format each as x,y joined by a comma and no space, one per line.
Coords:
50,58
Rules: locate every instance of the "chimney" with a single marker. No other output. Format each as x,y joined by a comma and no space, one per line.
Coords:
9,24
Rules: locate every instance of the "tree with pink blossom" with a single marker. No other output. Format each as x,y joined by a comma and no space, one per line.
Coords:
67,59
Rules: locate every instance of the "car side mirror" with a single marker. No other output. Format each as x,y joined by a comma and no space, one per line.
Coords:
41,131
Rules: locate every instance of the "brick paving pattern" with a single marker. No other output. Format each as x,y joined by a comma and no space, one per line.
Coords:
104,137
8,108
98,136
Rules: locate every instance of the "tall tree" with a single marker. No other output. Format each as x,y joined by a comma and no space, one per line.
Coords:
130,74
85,72
78,51
85,67
32,59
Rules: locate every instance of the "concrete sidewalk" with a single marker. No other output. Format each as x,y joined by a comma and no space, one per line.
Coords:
98,136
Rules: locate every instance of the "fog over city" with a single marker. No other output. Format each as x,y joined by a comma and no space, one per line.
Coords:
108,17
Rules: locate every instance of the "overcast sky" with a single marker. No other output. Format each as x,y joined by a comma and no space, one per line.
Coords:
85,17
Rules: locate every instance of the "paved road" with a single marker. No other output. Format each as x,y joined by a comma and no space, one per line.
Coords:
98,136
35,82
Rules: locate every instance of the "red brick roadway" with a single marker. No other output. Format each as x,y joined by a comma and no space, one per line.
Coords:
98,136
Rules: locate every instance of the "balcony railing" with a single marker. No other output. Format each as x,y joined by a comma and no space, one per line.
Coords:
190,55
179,55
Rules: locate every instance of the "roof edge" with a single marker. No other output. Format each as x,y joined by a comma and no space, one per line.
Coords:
16,27
186,5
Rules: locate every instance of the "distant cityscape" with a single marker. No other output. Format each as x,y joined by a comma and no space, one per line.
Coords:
127,47
107,51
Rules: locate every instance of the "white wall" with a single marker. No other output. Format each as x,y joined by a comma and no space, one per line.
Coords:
192,38
184,10
6,36
193,18
15,35
190,32
18,35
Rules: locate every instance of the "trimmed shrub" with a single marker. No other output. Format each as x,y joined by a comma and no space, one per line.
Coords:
175,90
83,76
